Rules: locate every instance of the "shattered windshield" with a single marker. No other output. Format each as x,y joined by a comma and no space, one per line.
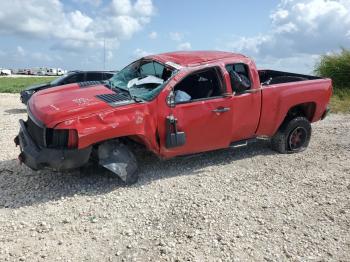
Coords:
143,79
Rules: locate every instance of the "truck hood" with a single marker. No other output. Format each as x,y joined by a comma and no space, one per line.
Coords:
54,105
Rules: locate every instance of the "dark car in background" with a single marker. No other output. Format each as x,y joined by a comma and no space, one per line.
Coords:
69,78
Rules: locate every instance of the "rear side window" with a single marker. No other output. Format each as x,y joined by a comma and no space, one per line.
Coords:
241,71
94,77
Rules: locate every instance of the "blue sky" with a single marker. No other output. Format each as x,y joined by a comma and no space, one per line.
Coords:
280,34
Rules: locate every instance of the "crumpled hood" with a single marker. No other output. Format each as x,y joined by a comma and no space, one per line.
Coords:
54,105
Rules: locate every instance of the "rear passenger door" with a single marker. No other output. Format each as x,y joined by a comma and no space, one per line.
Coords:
246,105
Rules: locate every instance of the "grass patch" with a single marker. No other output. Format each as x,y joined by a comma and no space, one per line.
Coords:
340,101
17,84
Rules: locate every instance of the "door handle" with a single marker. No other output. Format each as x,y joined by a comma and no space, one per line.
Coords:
221,110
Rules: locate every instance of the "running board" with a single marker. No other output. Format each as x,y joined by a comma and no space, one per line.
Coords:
242,143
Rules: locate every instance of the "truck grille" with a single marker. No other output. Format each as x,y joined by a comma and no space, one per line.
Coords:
36,132
56,138
47,137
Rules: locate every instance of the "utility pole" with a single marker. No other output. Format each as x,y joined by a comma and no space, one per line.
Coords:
104,52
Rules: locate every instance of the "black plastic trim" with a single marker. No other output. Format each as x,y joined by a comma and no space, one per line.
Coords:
37,157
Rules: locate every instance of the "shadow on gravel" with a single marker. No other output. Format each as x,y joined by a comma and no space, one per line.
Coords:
15,111
20,186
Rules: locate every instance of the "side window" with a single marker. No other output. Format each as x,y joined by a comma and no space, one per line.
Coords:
93,77
239,76
199,85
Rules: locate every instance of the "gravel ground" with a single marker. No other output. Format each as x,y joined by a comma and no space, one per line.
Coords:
246,204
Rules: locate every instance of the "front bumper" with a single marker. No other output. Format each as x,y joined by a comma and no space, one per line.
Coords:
37,157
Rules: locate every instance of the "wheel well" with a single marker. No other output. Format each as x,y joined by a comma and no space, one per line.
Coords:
306,109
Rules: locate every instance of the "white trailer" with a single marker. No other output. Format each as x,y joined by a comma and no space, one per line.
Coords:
61,72
51,71
5,72
40,71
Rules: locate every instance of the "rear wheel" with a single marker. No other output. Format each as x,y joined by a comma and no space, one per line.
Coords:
293,136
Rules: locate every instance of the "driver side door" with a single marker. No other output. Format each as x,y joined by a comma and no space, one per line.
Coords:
205,121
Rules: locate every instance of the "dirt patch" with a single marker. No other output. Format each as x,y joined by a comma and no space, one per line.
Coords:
246,204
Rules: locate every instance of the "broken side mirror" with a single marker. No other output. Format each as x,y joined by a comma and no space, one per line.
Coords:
170,100
174,138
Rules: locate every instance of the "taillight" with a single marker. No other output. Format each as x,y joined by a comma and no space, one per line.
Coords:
72,138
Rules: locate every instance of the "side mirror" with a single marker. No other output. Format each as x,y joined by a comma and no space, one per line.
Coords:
170,100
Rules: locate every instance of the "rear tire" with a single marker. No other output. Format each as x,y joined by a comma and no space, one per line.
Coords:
293,136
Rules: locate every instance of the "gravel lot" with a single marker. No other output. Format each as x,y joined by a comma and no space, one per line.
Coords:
246,204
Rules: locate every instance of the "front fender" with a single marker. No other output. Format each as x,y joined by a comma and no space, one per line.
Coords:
138,120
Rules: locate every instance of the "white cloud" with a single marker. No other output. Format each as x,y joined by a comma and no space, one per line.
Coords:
138,53
48,19
153,35
299,63
125,26
79,20
144,8
279,15
176,36
184,46
300,28
94,3
122,7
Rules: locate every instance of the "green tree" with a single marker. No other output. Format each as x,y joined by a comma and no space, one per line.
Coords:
337,67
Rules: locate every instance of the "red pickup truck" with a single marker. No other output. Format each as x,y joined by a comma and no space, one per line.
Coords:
174,104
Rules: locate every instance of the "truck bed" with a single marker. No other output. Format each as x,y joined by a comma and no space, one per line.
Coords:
272,77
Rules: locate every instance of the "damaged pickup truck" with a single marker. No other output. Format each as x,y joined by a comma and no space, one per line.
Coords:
173,104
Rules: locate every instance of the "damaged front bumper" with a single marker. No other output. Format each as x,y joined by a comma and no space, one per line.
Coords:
37,157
